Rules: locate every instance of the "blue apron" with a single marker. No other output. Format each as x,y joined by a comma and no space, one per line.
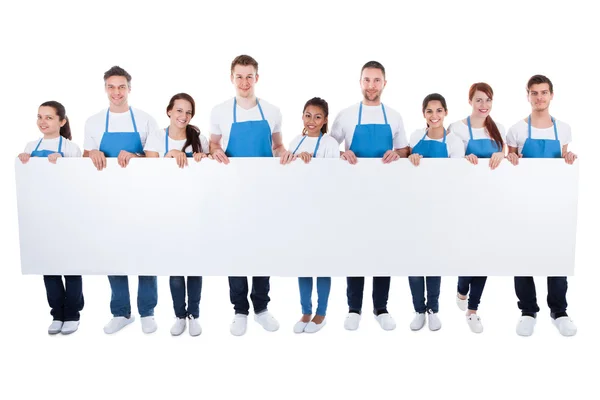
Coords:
541,148
316,147
249,138
113,142
482,148
431,148
372,140
190,154
46,153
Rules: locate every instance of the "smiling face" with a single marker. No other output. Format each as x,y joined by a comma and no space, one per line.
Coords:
117,89
244,77
434,114
48,121
481,103
539,96
372,83
181,113
314,118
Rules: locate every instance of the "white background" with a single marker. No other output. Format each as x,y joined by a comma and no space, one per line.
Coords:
60,50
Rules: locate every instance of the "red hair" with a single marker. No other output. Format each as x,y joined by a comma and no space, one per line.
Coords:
489,123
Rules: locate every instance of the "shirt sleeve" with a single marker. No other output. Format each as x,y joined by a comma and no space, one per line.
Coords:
215,129
511,137
277,121
204,144
153,140
456,148
73,150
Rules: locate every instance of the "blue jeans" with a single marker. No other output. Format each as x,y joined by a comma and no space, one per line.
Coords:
323,288
473,285
356,286
147,297
194,288
557,294
238,294
65,300
417,289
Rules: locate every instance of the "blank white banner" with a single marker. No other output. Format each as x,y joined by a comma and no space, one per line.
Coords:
327,218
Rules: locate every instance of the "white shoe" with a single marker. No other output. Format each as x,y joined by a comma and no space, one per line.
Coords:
474,323
352,321
148,324
525,326
313,327
267,321
565,326
434,321
117,323
195,328
239,324
462,304
386,321
299,326
69,327
178,327
55,327
418,322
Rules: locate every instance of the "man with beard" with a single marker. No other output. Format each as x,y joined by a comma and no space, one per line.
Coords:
541,136
371,130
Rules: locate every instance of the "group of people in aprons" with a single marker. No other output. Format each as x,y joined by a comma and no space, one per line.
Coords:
245,126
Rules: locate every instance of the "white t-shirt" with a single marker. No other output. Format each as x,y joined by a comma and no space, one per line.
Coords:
156,142
328,147
518,133
221,118
454,144
69,149
461,129
343,127
118,122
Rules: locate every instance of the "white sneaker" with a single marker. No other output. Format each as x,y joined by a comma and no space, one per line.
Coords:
352,321
195,328
69,327
565,326
418,322
434,321
474,323
386,321
239,324
525,326
178,327
267,321
313,327
148,324
117,323
55,327
462,304
299,326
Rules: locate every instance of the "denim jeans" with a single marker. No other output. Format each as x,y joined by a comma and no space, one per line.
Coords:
356,286
120,305
65,300
238,294
472,285
557,294
323,288
417,289
194,288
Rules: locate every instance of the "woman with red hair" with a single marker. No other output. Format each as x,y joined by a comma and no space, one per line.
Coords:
482,138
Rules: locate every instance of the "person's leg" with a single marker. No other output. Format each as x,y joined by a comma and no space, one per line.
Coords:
147,295
73,297
238,294
177,285
433,292
477,285
417,290
323,289
55,293
120,305
305,284
194,286
354,292
260,293
381,290
557,296
525,290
